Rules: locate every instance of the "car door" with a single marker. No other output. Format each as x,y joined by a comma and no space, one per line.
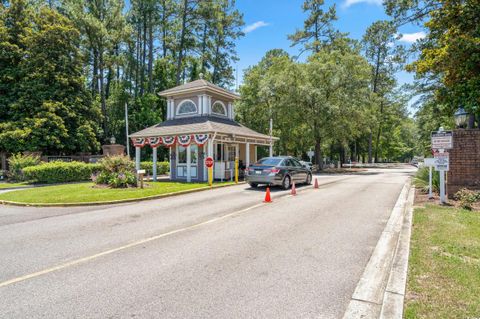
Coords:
290,169
300,171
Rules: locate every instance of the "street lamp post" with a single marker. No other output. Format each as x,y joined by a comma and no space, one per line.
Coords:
461,117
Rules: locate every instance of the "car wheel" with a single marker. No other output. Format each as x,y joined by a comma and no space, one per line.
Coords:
253,185
309,179
286,182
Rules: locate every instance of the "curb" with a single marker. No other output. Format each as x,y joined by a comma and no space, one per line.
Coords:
119,201
381,289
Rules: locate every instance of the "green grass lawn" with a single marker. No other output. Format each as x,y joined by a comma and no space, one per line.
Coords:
10,185
85,192
444,267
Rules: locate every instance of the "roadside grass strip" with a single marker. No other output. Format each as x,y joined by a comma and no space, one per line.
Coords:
82,193
444,268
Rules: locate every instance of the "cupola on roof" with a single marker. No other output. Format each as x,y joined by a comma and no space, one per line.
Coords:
199,85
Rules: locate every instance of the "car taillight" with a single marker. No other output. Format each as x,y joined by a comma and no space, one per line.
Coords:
272,170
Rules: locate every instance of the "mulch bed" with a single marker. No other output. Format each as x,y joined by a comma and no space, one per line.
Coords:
422,198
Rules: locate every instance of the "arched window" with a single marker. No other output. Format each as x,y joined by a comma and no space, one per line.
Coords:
187,107
219,108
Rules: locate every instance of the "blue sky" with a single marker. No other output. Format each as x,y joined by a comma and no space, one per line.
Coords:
268,22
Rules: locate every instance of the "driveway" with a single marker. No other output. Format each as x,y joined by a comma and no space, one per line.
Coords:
214,254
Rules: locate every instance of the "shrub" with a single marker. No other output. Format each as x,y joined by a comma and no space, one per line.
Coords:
467,197
60,172
18,162
421,180
116,172
162,167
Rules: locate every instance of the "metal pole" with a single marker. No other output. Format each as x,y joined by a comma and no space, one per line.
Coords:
442,187
430,195
154,169
126,130
271,144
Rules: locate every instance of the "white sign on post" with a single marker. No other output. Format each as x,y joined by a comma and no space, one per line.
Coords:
310,154
442,140
429,162
442,161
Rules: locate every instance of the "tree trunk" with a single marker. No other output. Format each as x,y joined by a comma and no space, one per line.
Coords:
144,55
370,138
204,48
379,132
150,54
318,146
182,42
102,93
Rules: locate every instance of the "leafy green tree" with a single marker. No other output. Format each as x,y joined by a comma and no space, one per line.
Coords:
50,109
103,30
317,29
386,58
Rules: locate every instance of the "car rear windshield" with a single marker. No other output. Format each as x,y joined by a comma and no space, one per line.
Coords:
270,161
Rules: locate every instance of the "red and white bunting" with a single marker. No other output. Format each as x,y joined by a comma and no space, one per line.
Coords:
139,141
201,139
155,141
169,140
184,140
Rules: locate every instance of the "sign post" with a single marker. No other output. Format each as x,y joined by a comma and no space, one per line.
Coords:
209,165
140,174
310,154
441,141
430,163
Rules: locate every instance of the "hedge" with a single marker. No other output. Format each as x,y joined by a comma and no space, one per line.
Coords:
60,172
162,167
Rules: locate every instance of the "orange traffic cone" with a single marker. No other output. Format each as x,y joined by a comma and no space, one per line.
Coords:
316,183
294,190
268,199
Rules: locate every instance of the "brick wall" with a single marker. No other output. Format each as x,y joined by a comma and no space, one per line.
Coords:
464,161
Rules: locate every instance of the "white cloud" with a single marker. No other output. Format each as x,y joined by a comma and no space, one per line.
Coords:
255,26
412,37
349,3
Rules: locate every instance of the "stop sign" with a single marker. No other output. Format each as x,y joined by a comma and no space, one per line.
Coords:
209,162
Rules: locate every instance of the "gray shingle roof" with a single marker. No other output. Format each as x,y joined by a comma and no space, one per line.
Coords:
197,125
198,85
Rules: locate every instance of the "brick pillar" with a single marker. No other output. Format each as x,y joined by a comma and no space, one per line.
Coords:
464,161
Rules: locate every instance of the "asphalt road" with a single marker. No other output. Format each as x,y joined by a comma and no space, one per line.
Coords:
214,254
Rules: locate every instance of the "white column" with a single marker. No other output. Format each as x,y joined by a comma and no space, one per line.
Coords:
210,147
189,164
270,150
232,110
200,104
172,109
137,157
154,164
209,104
169,110
222,168
204,104
205,169
210,153
170,161
247,155
256,154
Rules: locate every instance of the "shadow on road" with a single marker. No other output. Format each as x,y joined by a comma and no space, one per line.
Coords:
273,189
